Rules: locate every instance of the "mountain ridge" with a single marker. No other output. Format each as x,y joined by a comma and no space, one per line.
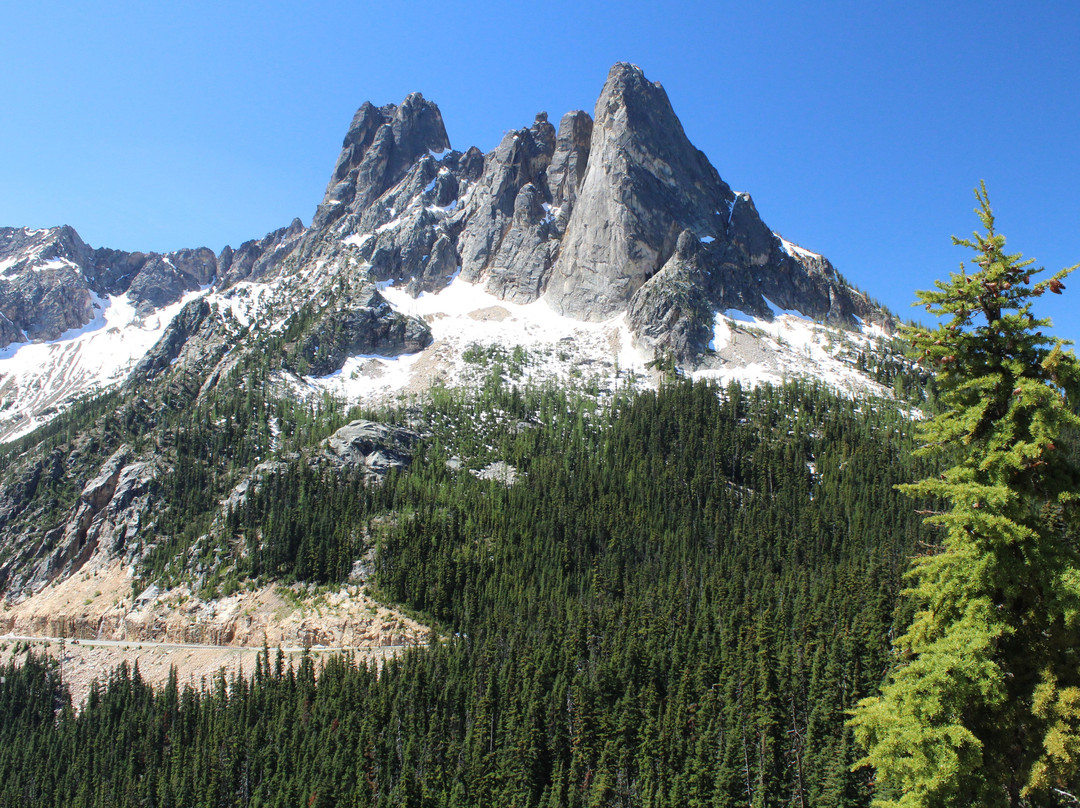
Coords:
611,215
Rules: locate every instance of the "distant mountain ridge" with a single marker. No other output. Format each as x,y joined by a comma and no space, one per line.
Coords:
614,215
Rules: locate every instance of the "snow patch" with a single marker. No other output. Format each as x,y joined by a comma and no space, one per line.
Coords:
356,240
721,332
38,378
367,376
444,209
779,312
531,342
247,301
794,250
393,224
754,350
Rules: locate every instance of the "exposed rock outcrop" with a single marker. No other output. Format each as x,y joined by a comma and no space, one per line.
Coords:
364,325
645,183
44,283
167,350
164,279
109,510
52,282
568,164
381,146
107,513
507,233
255,259
372,447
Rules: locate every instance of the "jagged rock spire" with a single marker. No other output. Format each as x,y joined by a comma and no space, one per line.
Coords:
645,184
381,146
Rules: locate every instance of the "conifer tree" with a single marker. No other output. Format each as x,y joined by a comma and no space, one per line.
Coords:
983,704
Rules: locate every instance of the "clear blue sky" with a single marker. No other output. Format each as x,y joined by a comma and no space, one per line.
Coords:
860,128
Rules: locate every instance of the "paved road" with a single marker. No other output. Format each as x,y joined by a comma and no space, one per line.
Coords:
150,645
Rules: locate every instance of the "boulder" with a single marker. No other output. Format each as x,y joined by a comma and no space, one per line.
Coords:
371,447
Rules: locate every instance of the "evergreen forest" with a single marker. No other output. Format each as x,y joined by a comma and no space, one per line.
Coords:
678,602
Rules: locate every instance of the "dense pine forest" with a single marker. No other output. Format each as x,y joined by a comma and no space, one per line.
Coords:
675,603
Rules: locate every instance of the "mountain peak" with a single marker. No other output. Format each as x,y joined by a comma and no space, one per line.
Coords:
645,184
606,217
381,145
627,72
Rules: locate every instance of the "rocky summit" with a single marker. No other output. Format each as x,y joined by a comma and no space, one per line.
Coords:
612,218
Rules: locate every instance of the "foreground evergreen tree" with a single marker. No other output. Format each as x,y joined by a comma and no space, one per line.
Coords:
983,706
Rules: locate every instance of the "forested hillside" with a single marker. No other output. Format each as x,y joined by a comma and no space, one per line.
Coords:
664,598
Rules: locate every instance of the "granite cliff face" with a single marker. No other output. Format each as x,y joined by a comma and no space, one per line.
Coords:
589,216
381,146
645,184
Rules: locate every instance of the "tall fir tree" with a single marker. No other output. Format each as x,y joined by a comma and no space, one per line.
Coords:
983,704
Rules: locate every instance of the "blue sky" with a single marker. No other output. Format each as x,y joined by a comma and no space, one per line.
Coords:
860,128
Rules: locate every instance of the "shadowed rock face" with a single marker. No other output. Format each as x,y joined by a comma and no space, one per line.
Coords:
364,324
254,259
44,285
50,278
568,164
507,237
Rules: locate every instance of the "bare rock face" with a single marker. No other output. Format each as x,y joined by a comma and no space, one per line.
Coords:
50,279
673,310
645,183
77,545
406,223
381,146
508,232
45,283
409,233
167,350
568,164
255,259
107,513
372,447
439,266
364,325
164,279
588,216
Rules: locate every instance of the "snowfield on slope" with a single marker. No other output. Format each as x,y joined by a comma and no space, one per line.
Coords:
39,378
472,330
752,351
